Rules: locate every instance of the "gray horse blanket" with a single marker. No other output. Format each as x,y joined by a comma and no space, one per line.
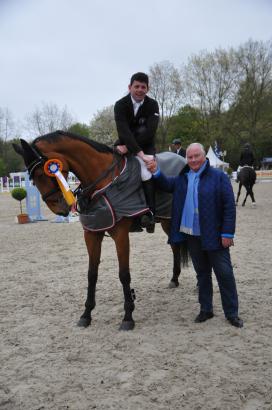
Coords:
124,196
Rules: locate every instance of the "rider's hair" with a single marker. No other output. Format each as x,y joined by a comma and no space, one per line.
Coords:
141,77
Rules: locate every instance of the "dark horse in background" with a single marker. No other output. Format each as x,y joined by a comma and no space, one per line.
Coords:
247,178
95,166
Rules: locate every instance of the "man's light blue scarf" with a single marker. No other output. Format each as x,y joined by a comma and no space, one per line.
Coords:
190,217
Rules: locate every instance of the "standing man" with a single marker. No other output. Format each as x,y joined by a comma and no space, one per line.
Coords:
137,119
203,213
178,148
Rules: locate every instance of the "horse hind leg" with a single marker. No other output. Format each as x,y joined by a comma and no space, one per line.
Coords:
238,193
174,282
244,201
251,193
93,243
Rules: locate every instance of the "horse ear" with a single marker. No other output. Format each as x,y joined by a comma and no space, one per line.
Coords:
26,151
30,154
17,148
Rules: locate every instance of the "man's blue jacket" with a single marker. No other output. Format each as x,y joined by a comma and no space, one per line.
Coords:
216,204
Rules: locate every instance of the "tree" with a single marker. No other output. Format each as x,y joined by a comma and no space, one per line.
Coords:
253,102
48,118
186,125
80,129
102,127
2,168
211,86
166,88
6,131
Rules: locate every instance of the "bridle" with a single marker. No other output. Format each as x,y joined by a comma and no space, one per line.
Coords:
80,191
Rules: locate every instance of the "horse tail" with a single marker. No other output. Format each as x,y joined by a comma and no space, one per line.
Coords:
184,253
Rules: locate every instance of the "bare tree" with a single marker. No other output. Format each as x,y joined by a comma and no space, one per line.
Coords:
7,127
48,118
166,88
102,127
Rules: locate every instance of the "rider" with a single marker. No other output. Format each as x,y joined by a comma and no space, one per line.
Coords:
137,118
246,158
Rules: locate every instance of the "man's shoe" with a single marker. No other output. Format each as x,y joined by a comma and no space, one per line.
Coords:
203,316
235,321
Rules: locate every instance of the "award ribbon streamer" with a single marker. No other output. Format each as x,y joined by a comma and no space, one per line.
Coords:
53,169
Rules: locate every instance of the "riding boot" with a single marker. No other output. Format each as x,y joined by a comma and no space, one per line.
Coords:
148,220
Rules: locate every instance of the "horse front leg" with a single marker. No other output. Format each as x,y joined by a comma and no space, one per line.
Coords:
93,242
120,234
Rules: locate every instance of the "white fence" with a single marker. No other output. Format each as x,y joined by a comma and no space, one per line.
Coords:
17,179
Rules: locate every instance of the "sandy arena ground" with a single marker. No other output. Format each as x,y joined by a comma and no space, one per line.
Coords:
167,361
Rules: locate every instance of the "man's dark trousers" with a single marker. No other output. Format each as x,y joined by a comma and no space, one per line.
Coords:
219,261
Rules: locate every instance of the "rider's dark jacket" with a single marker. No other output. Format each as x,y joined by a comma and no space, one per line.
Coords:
216,204
137,132
247,158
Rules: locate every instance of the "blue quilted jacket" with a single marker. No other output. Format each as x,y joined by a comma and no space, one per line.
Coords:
216,204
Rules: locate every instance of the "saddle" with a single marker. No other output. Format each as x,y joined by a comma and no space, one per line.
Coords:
124,197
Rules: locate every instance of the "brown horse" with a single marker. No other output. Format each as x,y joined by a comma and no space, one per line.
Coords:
95,165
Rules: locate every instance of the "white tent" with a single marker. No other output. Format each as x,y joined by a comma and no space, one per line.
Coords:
215,161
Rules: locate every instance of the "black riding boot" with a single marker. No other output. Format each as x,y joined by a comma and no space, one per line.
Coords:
148,220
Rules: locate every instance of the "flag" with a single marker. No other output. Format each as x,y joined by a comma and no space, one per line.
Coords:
217,150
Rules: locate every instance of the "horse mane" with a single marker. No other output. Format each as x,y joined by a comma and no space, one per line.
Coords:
59,135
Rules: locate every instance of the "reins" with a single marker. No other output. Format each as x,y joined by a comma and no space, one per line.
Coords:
80,192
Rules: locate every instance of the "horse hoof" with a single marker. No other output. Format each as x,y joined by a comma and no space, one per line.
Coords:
127,325
173,285
84,322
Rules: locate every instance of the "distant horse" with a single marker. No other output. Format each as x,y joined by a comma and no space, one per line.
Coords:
246,178
96,166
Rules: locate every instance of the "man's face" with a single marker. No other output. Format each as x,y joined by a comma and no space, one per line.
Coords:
195,158
138,90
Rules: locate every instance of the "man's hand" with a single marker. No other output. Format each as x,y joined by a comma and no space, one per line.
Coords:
227,242
152,166
146,158
122,149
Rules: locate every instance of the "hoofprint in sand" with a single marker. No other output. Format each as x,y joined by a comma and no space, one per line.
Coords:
167,361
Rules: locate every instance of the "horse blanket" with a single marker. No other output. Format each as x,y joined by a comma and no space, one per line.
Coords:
124,196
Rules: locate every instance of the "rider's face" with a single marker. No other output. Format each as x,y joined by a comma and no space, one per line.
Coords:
195,158
138,90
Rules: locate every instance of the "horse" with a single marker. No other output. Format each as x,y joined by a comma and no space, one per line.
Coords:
247,178
95,165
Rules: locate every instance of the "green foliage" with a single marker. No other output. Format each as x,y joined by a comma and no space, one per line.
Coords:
19,194
2,167
186,125
80,129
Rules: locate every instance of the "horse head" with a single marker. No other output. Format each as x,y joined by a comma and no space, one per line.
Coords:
48,186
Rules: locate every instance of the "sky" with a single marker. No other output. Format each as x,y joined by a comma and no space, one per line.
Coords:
80,54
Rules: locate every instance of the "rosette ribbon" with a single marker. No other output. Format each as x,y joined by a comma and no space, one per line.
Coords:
53,168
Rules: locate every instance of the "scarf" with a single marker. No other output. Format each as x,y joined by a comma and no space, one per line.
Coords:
190,217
